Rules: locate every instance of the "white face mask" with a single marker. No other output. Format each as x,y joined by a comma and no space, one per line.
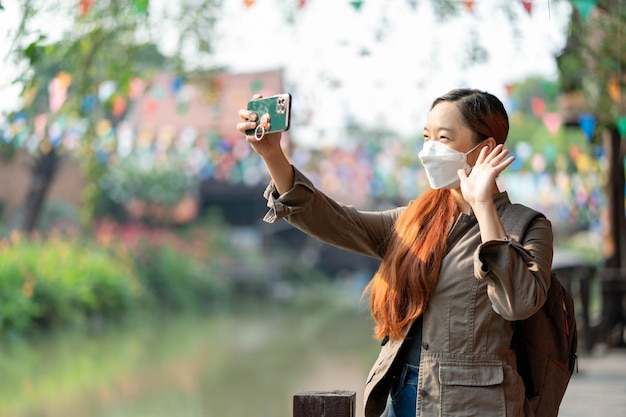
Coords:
442,164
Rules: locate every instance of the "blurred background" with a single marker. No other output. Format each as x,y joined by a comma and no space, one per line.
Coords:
137,277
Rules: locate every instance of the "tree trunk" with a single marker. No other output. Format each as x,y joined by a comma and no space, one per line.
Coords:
44,170
613,281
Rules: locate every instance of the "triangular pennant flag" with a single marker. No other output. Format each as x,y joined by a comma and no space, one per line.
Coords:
587,123
613,88
585,7
56,94
538,106
509,89
136,88
528,6
469,5
553,122
84,6
357,4
248,3
140,6
621,125
118,105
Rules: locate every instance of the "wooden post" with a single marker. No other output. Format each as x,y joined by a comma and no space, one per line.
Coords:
324,404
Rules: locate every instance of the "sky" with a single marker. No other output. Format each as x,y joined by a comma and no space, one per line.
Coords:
412,57
380,66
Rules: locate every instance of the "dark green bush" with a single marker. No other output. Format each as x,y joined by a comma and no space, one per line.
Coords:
176,281
63,281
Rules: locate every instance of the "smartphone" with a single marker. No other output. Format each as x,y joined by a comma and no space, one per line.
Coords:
279,109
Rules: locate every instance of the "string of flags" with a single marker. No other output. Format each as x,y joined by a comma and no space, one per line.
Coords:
139,7
585,6
110,95
382,170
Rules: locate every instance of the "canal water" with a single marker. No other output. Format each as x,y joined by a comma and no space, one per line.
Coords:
248,363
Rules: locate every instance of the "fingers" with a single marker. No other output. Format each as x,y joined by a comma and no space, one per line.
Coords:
493,157
498,159
249,123
248,120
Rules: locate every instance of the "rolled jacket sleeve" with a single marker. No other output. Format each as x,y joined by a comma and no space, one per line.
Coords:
517,273
297,199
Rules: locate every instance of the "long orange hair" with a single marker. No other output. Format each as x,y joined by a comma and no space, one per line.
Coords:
415,249
409,271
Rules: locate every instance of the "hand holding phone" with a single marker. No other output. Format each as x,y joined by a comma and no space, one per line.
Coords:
277,108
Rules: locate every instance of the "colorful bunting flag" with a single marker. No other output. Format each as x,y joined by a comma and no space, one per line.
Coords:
469,5
248,3
621,125
585,7
57,91
56,96
118,106
538,106
136,88
140,6
89,102
587,123
552,121
528,6
55,133
356,4
613,88
84,6
177,83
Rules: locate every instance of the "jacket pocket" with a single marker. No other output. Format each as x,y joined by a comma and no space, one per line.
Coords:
474,389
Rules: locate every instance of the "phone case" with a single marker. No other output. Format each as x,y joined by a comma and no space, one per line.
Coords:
279,109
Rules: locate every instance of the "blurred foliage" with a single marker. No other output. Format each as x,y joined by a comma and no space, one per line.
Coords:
594,59
131,180
175,282
114,41
62,281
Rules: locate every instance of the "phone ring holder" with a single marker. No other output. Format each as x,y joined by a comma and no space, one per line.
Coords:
257,135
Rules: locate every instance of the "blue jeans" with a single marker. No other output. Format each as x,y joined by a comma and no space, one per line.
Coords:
404,392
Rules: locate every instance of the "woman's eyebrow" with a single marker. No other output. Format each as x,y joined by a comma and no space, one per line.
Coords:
447,129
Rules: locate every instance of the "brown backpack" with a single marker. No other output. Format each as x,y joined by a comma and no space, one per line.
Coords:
546,342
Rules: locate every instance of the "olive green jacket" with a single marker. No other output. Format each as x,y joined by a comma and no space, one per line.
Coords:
467,367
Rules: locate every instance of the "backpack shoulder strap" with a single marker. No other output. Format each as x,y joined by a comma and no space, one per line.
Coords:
516,218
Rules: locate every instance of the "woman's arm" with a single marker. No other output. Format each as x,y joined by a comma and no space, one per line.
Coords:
318,215
293,197
518,273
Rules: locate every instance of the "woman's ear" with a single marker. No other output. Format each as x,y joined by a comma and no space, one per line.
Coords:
490,142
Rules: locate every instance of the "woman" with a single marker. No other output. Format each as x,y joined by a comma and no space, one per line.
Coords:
450,279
